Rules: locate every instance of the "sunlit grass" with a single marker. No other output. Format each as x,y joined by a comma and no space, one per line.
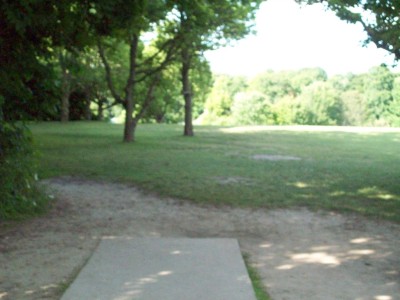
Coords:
350,170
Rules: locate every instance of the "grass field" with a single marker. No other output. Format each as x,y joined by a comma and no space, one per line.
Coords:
320,169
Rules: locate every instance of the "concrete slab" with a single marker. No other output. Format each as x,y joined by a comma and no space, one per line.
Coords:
168,269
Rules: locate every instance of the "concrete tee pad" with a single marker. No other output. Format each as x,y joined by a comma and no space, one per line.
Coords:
163,268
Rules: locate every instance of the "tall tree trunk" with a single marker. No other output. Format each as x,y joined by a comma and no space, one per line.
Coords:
1,113
187,92
88,112
1,129
88,97
130,124
128,128
100,109
65,93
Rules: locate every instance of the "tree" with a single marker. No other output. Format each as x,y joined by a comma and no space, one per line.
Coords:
218,106
394,107
355,109
204,25
81,84
320,105
29,31
167,105
252,108
284,110
127,21
304,77
379,18
274,84
378,85
68,68
91,85
283,84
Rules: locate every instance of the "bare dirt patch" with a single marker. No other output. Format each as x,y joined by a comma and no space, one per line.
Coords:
234,180
299,254
274,157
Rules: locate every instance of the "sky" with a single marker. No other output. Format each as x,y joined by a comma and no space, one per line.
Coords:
291,37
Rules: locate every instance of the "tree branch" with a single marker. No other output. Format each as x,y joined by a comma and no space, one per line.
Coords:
169,43
149,97
132,64
168,58
116,96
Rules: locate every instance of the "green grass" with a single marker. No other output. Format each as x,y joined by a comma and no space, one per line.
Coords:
259,289
340,171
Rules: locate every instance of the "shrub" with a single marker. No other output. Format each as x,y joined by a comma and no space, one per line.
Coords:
19,192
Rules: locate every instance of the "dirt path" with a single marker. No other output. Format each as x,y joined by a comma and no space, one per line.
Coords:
300,254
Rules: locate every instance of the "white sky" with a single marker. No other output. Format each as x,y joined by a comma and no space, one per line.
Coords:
290,37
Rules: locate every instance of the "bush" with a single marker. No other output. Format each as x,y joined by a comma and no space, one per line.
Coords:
19,192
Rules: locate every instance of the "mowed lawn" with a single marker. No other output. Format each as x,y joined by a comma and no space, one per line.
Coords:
329,169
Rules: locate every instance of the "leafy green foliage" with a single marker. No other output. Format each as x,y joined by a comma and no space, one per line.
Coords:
286,83
218,106
306,97
167,106
19,193
319,105
394,108
29,31
207,25
378,87
355,108
251,108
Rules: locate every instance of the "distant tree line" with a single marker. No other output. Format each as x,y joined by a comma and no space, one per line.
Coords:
306,96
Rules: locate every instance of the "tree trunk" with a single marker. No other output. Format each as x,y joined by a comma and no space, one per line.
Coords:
88,97
88,112
128,128
65,93
1,129
130,124
100,110
187,92
1,113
